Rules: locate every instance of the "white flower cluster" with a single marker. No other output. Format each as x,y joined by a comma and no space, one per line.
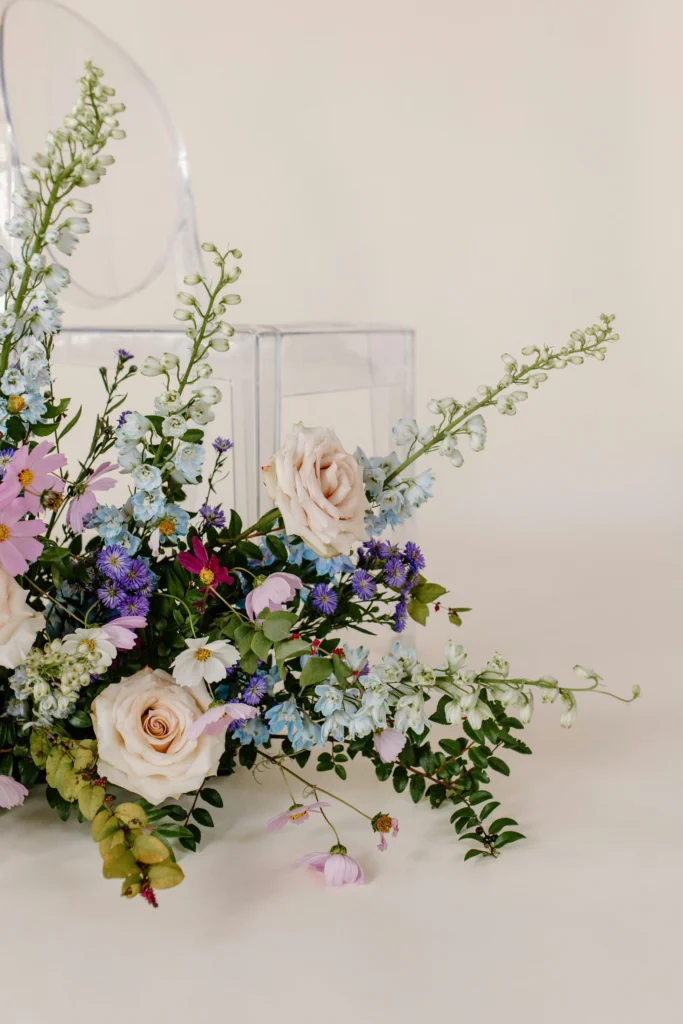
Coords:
47,685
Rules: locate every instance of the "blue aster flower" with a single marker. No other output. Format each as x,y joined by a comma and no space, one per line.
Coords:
363,585
6,456
213,516
395,572
324,599
136,575
414,555
255,690
222,444
113,561
110,594
133,604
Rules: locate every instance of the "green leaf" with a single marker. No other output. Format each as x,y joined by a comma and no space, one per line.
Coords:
401,778
473,853
278,625
418,611
71,424
288,649
90,799
44,429
478,757
474,837
80,720
498,765
120,863
341,669
188,844
149,850
40,747
260,645
235,525
340,771
453,747
53,553
193,436
495,826
315,671
165,876
172,831
479,798
428,592
508,837
383,771
277,548
212,796
488,809
201,815
249,663
417,788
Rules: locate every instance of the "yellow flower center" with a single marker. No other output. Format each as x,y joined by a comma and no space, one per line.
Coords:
15,403
4,532
88,643
25,477
383,823
203,654
167,527
207,575
301,814
52,499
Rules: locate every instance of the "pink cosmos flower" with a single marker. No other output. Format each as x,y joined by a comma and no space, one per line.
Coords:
120,631
85,499
209,571
217,719
273,593
18,546
337,867
12,793
389,743
32,472
297,814
383,824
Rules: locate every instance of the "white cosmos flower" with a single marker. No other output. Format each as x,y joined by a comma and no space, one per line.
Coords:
96,641
204,661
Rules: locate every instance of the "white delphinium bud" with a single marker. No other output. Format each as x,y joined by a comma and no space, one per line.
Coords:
427,435
423,675
209,394
509,360
174,426
453,712
443,406
447,446
576,360
25,197
219,343
118,133
192,279
526,706
168,361
204,369
151,367
208,247
232,275
231,299
187,299
41,160
506,405
80,206
201,413
635,690
456,656
79,225
531,350
519,396
587,673
182,314
457,459
106,160
405,432
549,693
37,261
537,378
578,337
476,429
19,227
51,236
484,390
569,714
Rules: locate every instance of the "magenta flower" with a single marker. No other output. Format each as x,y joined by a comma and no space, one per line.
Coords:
217,719
12,793
337,867
297,814
389,743
85,497
32,472
383,824
273,593
120,631
208,569
18,546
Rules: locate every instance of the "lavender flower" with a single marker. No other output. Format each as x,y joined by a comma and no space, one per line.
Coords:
324,599
222,444
400,616
123,355
6,456
110,594
114,561
395,573
254,690
363,585
414,556
133,604
123,417
136,576
213,516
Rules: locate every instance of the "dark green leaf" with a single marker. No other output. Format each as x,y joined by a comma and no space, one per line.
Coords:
173,831
278,625
277,548
473,853
383,771
488,809
453,747
201,815
508,837
478,757
189,844
400,779
498,765
495,826
417,788
212,796
260,645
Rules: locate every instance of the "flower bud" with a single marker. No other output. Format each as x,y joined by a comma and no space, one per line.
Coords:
168,361
192,279
204,370
231,300
187,299
80,206
151,367
208,247
219,344
182,314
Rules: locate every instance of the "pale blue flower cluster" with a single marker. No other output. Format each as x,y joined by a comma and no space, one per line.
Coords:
396,501
300,553
301,732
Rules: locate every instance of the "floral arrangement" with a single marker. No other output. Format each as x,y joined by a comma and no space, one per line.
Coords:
146,647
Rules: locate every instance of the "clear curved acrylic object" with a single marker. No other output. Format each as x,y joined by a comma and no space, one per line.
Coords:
133,241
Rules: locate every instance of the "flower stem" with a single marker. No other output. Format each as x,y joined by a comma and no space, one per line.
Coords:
311,785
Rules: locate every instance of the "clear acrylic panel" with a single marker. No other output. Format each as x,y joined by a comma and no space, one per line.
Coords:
133,241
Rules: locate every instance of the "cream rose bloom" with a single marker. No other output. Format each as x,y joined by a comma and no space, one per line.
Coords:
18,623
318,487
141,725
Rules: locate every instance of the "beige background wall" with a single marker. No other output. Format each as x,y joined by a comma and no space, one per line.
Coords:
493,174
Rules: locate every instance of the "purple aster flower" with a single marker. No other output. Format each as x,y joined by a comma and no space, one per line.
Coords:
414,556
395,572
254,690
363,585
123,355
110,594
113,561
222,444
400,616
136,576
213,516
324,599
123,417
133,604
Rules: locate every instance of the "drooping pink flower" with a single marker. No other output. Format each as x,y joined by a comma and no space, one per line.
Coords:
217,719
337,867
33,472
121,631
18,546
274,593
297,814
383,824
85,496
208,569
389,743
12,793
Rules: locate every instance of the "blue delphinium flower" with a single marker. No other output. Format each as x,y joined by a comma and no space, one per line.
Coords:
213,516
12,382
113,561
136,576
329,566
255,690
133,604
107,520
189,460
175,523
128,541
146,477
34,407
308,735
148,505
363,585
253,730
222,444
324,599
395,572
284,717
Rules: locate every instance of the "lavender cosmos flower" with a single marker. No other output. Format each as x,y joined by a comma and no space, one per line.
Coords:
395,572
324,599
389,743
297,814
110,594
114,561
222,444
133,604
136,576
363,585
255,690
213,516
414,556
336,866
123,355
